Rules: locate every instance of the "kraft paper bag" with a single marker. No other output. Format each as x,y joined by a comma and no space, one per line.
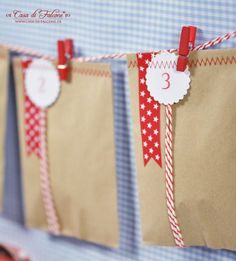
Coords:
81,156
4,68
204,157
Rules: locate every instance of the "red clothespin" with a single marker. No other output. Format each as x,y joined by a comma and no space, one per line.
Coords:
192,35
65,53
69,48
187,42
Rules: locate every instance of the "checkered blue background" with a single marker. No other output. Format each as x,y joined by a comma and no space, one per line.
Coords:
101,27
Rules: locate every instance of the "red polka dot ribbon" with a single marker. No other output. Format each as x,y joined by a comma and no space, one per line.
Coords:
149,110
32,120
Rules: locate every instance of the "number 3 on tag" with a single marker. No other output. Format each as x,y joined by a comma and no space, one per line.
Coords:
167,80
165,84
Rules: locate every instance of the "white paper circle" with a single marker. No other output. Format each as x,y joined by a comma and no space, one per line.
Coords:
42,83
165,84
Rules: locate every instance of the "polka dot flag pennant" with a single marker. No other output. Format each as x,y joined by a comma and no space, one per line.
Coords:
32,120
149,111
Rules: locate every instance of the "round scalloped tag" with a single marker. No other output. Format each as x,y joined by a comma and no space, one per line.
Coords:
42,83
165,84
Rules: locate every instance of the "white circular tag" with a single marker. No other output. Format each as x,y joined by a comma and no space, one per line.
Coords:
42,83
165,84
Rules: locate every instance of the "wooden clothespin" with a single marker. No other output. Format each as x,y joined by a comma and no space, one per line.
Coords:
65,53
186,43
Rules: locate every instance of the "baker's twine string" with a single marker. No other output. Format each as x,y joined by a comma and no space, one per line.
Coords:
169,172
30,52
169,179
46,190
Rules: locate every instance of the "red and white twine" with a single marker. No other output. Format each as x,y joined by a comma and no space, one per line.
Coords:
30,52
48,202
49,205
169,176
169,173
215,41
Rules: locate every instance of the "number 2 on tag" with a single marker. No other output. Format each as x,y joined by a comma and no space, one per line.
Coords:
41,84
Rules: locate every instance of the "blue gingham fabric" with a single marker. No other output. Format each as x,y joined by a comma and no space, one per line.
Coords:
102,27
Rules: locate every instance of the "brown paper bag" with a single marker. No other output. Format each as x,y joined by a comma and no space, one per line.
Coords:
4,67
81,156
204,157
